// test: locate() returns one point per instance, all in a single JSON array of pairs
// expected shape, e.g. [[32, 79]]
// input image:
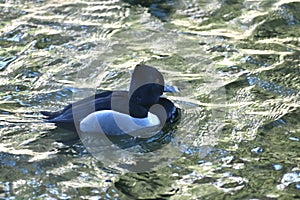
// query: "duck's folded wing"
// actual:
[[80, 109]]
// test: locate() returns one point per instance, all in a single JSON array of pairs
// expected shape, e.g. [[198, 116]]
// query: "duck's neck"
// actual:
[[138, 111]]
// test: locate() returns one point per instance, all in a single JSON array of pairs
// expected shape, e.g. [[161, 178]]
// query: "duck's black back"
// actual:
[[73, 113]]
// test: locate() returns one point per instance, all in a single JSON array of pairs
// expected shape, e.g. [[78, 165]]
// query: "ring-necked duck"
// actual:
[[121, 112]]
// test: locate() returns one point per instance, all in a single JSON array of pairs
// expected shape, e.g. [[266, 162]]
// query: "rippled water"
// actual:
[[235, 62]]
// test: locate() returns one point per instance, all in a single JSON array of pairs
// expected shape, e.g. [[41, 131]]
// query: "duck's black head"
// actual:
[[147, 85]]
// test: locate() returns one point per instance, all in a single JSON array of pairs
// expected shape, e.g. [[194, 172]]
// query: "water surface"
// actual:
[[236, 63]]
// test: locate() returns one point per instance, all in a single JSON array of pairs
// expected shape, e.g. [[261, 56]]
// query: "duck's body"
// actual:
[[121, 112], [86, 113]]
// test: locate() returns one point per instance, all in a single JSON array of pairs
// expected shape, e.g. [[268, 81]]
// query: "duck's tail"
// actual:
[[50, 115]]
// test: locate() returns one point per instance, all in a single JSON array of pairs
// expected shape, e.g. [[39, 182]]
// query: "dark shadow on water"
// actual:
[[158, 8]]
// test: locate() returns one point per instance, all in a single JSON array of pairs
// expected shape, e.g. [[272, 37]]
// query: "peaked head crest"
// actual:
[[144, 75]]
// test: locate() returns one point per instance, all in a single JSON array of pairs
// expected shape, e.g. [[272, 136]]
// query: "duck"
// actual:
[[136, 112]]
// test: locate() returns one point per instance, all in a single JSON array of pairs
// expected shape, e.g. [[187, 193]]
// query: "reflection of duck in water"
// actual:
[[122, 113]]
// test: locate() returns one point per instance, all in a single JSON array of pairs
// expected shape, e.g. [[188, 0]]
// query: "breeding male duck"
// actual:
[[115, 113]]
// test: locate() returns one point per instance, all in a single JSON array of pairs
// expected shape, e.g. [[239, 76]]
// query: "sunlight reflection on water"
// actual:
[[236, 64]]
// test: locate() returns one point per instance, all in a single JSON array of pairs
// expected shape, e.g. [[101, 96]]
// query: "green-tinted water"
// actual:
[[237, 66]]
